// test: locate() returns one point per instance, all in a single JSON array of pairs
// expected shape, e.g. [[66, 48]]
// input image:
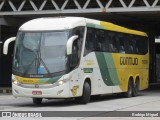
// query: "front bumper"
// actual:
[[61, 91]]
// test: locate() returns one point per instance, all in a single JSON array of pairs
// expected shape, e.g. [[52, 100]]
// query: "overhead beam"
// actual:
[[64, 7], [12, 6], [21, 6], [43, 4], [77, 4], [33, 5], [2, 3], [55, 4], [80, 11]]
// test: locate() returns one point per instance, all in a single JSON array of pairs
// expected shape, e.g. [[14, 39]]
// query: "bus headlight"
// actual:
[[61, 82], [15, 82]]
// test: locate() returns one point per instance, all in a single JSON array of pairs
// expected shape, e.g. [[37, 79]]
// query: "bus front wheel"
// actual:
[[37, 101], [85, 98]]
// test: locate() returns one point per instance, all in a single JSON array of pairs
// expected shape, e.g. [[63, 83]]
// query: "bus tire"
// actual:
[[129, 92], [135, 89], [85, 98], [37, 101]]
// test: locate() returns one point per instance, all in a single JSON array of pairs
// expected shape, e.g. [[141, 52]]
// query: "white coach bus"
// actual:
[[74, 57]]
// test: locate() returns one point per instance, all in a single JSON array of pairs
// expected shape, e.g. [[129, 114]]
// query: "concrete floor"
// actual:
[[148, 100]]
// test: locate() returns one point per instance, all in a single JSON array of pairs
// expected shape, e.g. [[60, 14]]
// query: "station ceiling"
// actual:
[[133, 13]]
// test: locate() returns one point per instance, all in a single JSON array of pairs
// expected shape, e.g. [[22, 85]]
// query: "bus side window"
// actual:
[[74, 57], [90, 44], [100, 39], [130, 46], [136, 46], [105, 45], [110, 42], [126, 45], [130, 49], [121, 43], [121, 47], [111, 48], [80, 32], [142, 44], [115, 44]]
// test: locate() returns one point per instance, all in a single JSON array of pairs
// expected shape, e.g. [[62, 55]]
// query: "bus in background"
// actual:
[[75, 57]]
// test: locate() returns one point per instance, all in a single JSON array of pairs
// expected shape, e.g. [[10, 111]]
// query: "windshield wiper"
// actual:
[[41, 61]]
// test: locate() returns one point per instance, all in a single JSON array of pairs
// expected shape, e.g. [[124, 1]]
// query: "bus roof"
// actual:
[[62, 23]]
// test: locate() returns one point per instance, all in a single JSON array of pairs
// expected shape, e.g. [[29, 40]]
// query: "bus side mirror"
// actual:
[[6, 44], [70, 44]]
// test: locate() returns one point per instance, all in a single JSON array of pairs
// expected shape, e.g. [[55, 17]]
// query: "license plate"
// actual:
[[36, 92]]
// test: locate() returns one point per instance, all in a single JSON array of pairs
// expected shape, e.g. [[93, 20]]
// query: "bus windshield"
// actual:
[[40, 53]]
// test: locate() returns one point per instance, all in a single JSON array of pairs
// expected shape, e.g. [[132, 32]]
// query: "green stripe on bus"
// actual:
[[111, 68], [107, 68], [103, 68], [94, 26]]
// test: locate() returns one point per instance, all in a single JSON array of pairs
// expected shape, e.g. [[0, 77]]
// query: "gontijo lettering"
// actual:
[[128, 61]]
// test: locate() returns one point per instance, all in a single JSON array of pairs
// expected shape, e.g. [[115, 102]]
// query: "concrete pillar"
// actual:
[[152, 58], [8, 28]]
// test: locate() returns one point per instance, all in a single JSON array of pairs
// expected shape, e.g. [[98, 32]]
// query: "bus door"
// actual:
[[91, 70], [87, 71], [74, 61]]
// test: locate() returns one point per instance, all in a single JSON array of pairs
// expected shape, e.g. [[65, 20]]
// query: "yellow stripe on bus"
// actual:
[[116, 28], [27, 80]]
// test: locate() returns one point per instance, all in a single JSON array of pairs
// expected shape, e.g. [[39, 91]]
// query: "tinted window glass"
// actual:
[[109, 41], [77, 47], [90, 44]]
